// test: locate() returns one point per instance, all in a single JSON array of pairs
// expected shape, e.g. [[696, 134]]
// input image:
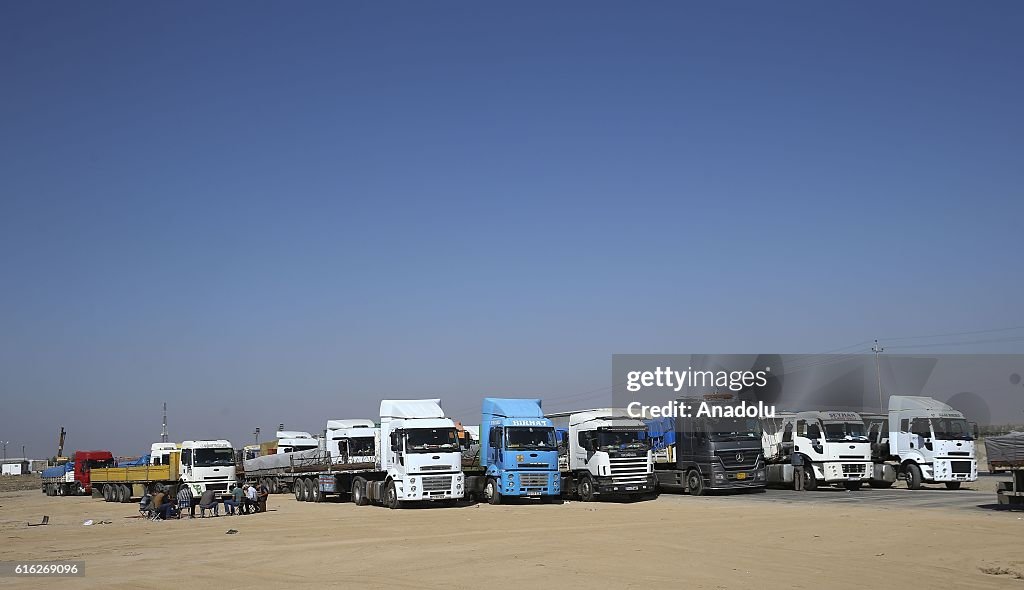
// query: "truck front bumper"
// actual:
[[606, 485], [943, 470]]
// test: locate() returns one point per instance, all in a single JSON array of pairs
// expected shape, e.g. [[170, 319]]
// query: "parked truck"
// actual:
[[201, 464], [74, 478], [347, 448], [1006, 453], [518, 453], [700, 452], [603, 453], [834, 446], [921, 440]]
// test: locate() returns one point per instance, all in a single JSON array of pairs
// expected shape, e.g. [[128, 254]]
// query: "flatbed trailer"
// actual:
[[311, 476], [1011, 493], [121, 484]]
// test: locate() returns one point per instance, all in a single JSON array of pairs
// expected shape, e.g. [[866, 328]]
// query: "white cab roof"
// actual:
[[411, 408]]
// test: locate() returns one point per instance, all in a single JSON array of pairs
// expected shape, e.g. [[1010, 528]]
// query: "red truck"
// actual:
[[72, 478]]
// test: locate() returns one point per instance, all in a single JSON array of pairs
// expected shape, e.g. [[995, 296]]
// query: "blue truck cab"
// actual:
[[518, 451]]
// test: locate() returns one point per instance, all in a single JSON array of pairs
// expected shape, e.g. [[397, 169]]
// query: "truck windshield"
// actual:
[[951, 429], [530, 438], [732, 429], [361, 446], [213, 457], [94, 463], [426, 440], [840, 431], [619, 439]]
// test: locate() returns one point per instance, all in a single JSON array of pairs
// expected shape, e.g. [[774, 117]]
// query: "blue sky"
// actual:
[[266, 213]]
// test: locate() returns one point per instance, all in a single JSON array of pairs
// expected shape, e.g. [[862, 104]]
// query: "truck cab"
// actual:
[[604, 452], [207, 465], [700, 453], [160, 453], [418, 450], [932, 442], [290, 441], [518, 451], [834, 446], [352, 441]]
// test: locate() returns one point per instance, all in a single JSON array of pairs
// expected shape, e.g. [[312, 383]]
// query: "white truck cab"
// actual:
[[933, 442], [418, 449], [160, 453], [289, 441], [352, 441], [604, 451], [207, 465], [834, 446]]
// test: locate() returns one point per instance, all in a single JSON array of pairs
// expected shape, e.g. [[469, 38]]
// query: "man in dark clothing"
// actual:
[[208, 501], [186, 500], [262, 495], [798, 471]]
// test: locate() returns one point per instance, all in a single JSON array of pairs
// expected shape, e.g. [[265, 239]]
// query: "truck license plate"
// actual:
[[533, 492], [632, 488], [741, 476]]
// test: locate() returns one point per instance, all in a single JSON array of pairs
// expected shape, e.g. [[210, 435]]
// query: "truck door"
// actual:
[[186, 464], [494, 446]]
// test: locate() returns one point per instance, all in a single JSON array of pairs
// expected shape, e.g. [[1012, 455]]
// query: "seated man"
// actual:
[[250, 499], [207, 501], [232, 504]]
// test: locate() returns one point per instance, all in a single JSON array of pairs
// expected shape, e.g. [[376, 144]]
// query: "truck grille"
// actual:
[[217, 487], [961, 466], [436, 468], [738, 459], [629, 469], [437, 483], [854, 468], [533, 480]]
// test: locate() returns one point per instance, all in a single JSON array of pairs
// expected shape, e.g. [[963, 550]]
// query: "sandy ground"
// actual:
[[697, 543]]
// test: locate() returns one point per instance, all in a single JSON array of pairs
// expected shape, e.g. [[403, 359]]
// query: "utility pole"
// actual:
[[5, 448], [877, 350], [23, 455], [257, 433], [163, 434]]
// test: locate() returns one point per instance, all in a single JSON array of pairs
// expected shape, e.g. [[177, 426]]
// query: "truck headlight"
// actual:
[[412, 488], [412, 480]]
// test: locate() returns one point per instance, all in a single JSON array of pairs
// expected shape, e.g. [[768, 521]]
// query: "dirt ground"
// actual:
[[677, 540]]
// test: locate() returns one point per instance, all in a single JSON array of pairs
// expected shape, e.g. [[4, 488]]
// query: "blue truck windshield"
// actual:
[[523, 438], [213, 458], [428, 440]]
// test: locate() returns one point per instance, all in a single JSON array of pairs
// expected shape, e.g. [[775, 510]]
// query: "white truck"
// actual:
[[603, 452], [834, 447], [921, 440], [314, 472], [418, 457], [201, 464]]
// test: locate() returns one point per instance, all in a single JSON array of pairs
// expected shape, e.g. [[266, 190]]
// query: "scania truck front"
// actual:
[[518, 452], [834, 446], [604, 453], [418, 457]]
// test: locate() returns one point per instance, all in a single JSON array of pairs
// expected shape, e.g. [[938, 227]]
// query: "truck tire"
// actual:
[[391, 496], [312, 490], [880, 484], [61, 490], [491, 492], [853, 486], [810, 482], [952, 485], [585, 488], [123, 494], [913, 477], [299, 489], [359, 492], [694, 483]]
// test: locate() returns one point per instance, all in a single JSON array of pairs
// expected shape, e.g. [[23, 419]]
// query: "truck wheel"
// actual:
[[880, 484], [273, 485], [491, 493], [359, 492], [952, 485], [913, 477], [694, 483], [810, 482], [314, 494], [62, 490], [585, 488], [391, 496], [298, 488], [853, 486]]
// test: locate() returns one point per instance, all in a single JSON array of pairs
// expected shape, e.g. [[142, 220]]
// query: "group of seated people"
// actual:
[[246, 499]]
